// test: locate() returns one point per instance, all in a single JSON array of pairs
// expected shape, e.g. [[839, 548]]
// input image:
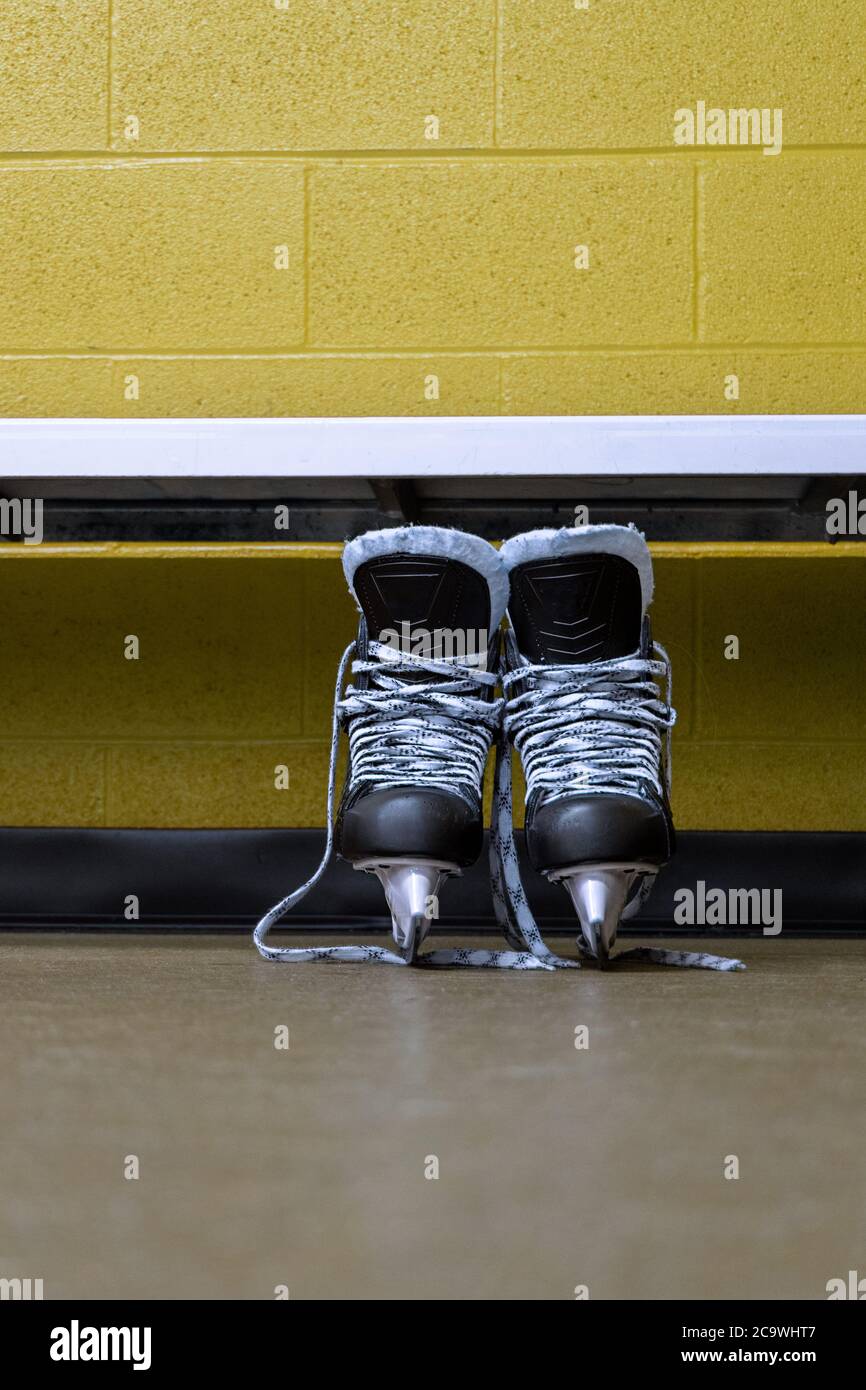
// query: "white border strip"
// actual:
[[446, 447]]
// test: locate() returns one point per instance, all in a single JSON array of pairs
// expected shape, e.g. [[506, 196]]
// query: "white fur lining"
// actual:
[[625, 541], [441, 541]]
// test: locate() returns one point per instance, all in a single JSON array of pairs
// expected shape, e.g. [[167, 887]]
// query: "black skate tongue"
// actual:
[[576, 608], [426, 606]]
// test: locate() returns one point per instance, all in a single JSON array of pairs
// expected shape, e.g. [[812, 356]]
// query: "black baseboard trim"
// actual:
[[59, 879]]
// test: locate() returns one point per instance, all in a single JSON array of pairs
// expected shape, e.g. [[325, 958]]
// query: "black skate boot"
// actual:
[[586, 716], [422, 715], [420, 719]]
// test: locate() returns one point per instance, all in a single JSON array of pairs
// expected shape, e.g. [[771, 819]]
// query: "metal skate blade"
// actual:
[[599, 897], [410, 891]]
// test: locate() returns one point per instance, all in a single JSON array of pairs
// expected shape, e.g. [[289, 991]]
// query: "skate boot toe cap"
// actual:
[[416, 823], [598, 828]]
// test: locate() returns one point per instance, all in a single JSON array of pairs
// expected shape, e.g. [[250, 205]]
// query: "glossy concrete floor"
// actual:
[[558, 1167]]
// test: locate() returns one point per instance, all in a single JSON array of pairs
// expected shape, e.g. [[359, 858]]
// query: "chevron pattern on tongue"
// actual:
[[408, 590], [576, 608], [417, 594]]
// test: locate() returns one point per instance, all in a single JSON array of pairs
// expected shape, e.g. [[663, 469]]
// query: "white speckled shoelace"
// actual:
[[595, 727], [439, 734], [410, 733]]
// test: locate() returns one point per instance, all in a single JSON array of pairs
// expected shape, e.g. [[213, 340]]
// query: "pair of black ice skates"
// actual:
[[578, 674]]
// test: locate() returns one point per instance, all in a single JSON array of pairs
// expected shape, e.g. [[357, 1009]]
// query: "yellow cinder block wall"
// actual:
[[238, 649], [232, 207]]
